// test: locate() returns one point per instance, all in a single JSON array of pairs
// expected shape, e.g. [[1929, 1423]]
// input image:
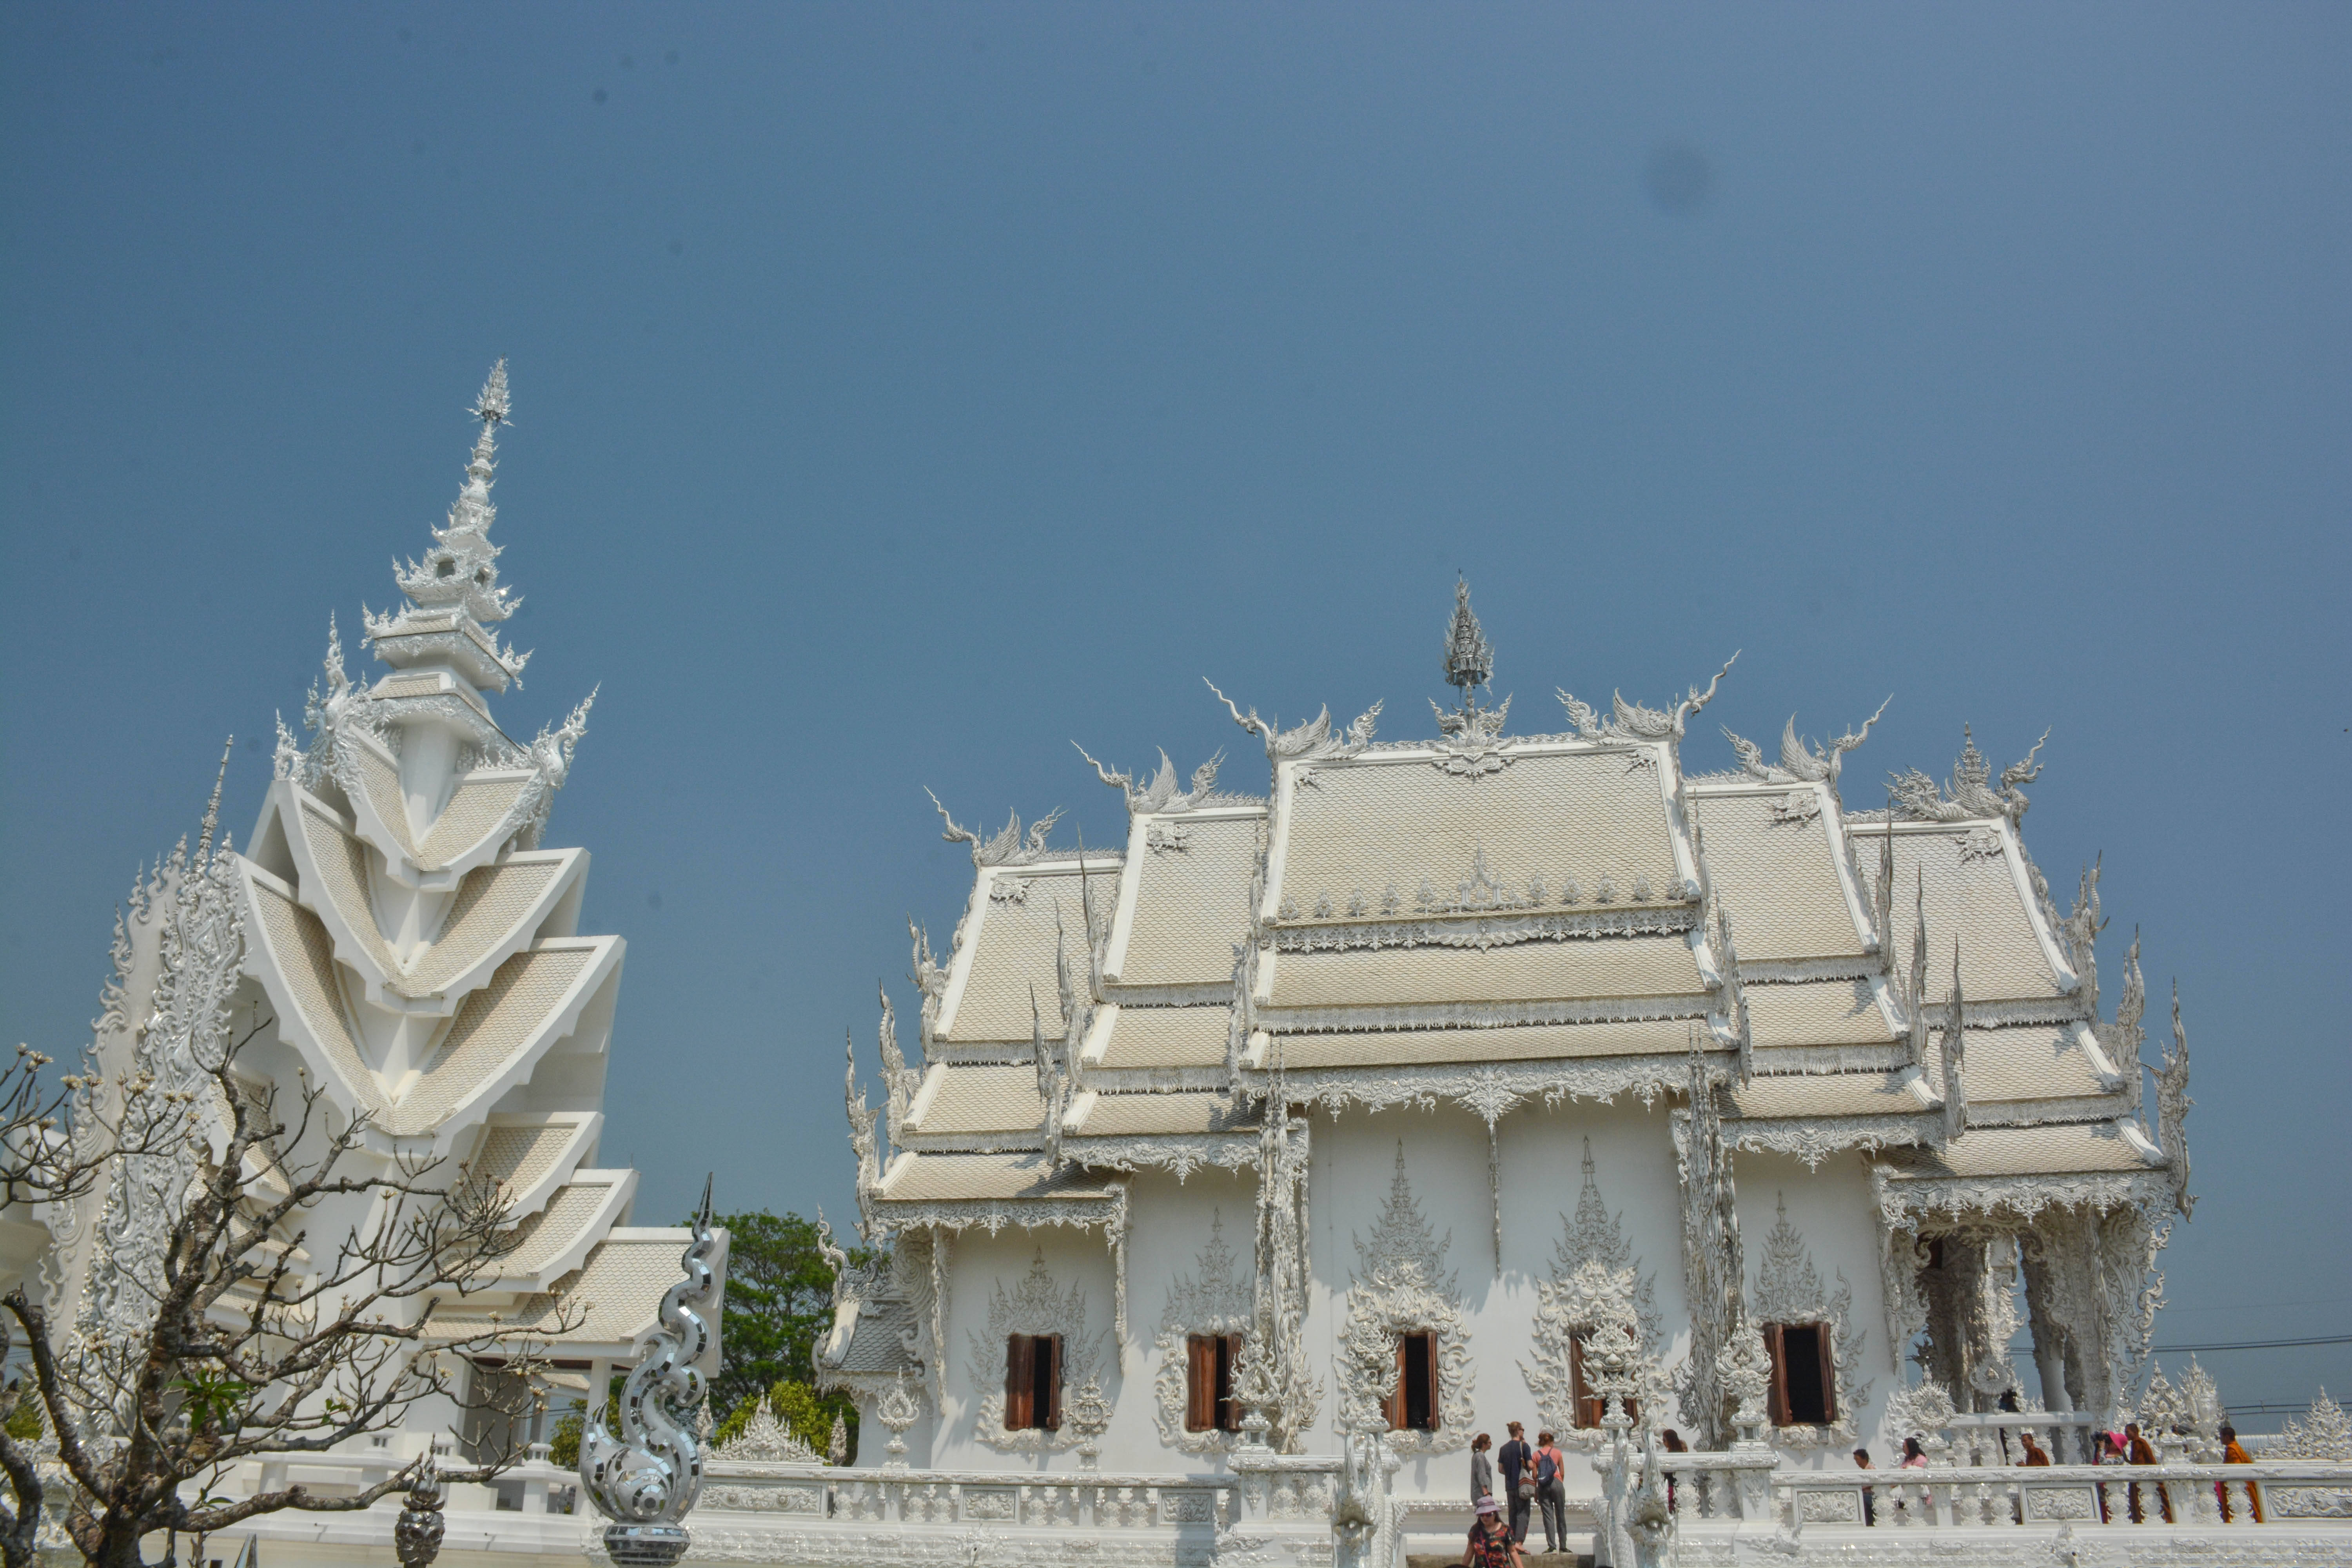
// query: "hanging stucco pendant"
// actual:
[[646, 1480]]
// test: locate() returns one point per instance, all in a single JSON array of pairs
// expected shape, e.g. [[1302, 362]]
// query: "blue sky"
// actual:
[[902, 393]]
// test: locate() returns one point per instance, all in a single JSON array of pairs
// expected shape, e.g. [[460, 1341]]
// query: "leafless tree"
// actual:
[[226, 1332]]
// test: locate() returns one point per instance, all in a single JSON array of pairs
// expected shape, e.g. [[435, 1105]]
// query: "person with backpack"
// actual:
[[1551, 1492], [1515, 1474]]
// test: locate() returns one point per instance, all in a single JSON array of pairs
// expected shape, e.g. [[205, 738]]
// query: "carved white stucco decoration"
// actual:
[[1631, 721], [1595, 1280], [1923, 1410], [185, 1039], [1213, 1300], [1970, 794], [1799, 763], [1007, 848], [1399, 1287], [1311, 742], [765, 1440], [1035, 1306], [1789, 1289], [1160, 797], [2172, 1103]]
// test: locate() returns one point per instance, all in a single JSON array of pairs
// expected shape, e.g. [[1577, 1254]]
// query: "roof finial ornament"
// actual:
[[453, 593], [1469, 656]]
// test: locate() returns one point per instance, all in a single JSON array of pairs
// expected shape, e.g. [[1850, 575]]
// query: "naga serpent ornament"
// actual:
[[646, 1480]]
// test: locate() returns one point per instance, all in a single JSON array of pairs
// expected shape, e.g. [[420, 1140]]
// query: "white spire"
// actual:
[[454, 593]]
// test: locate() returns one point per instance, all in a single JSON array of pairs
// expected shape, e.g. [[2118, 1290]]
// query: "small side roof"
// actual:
[[1006, 956], [1774, 862], [1186, 902]]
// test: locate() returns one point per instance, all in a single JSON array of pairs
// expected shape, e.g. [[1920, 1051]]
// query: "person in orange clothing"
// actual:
[[2035, 1454], [2140, 1451], [2234, 1453]]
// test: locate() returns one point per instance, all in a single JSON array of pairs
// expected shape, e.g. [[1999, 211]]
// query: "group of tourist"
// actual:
[[1534, 1478]]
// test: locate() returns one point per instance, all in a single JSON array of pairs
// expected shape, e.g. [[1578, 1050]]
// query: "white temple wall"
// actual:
[[975, 1346], [1541, 1163], [1834, 1213], [1169, 1229]]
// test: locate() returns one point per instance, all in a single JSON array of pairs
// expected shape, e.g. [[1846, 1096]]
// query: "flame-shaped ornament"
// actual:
[[646, 1480]]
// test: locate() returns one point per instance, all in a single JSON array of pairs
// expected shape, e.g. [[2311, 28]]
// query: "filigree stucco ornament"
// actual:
[[2172, 1103], [1799, 763], [765, 1440], [1922, 1410], [1713, 1275], [1401, 1288], [1595, 1280], [1214, 1298], [1745, 1370], [646, 1480], [1089, 1417], [2322, 1434], [1971, 794], [1789, 1289], [1311, 742], [161, 1110], [1952, 1040], [1035, 1305], [900, 1407], [1160, 797], [1007, 848], [1632, 721], [1470, 738]]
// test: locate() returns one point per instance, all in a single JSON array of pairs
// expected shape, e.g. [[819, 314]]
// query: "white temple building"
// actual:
[[1375, 1105]]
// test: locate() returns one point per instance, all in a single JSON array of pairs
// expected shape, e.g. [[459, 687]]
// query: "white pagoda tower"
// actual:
[[415, 956]]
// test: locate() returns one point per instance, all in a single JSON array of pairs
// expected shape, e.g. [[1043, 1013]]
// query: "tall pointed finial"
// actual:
[[1469, 656], [459, 573]]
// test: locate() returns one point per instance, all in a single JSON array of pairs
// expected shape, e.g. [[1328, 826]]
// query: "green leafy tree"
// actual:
[[779, 1301]]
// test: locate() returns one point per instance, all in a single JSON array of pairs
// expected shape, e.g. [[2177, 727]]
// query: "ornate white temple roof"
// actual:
[[1485, 917]]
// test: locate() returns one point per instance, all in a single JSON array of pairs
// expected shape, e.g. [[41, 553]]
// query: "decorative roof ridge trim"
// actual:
[[2069, 1110], [1019, 1141], [1472, 929], [1394, 1018], [1500, 1087], [1181, 1152], [1867, 966], [1184, 998], [1829, 1061], [1081, 1210], [1904, 1198], [1815, 1138]]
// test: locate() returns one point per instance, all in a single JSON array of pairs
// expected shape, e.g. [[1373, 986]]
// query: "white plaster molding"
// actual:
[[1400, 1287], [1213, 1300], [1789, 1289], [1035, 1306]]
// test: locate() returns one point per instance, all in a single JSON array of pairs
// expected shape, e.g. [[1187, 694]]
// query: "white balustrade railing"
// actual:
[[1083, 1500], [2041, 1496]]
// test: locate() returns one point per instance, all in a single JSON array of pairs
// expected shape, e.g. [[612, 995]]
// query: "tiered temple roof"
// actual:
[[420, 950], [1488, 919]]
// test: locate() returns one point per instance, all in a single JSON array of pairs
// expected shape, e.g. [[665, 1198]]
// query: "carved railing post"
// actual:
[[416, 1533], [647, 1480]]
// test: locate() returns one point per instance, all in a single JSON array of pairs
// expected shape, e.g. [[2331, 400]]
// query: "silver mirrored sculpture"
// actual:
[[646, 1481]]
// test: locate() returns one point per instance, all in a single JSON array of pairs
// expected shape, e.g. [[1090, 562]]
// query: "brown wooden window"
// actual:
[[1804, 1377], [1209, 1383], [1413, 1406], [1590, 1407], [1033, 1383]]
